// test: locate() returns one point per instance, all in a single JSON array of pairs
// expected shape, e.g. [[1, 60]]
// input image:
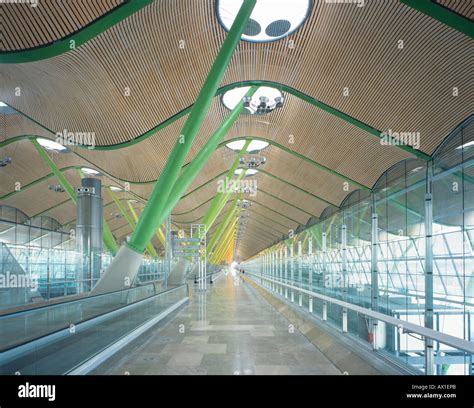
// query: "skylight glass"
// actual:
[[273, 97], [51, 145], [270, 20], [254, 146], [249, 172], [90, 172]]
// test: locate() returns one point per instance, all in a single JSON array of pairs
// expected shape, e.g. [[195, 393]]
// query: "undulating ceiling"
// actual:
[[347, 74]]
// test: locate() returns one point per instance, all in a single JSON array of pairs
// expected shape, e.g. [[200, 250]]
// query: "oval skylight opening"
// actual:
[[263, 101], [90, 172], [249, 172], [270, 20], [51, 145], [253, 147]]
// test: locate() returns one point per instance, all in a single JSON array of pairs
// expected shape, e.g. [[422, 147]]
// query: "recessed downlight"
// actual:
[[270, 20], [254, 146]]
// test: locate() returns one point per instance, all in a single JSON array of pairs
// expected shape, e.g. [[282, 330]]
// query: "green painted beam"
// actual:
[[313, 101], [443, 15], [297, 188], [154, 212], [76, 39]]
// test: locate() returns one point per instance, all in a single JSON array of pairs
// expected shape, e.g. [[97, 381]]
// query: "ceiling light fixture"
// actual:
[[5, 161], [56, 188], [270, 20], [264, 100]]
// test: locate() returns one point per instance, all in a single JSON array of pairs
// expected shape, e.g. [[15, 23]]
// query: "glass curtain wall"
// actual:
[[42, 251], [397, 249]]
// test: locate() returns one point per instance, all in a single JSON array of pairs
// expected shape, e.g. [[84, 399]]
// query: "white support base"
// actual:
[[120, 273]]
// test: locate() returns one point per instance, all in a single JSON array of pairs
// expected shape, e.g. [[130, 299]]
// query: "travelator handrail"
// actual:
[[70, 301], [147, 291], [447, 339], [119, 326]]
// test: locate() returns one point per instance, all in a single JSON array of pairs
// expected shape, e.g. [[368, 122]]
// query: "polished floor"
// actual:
[[231, 330]]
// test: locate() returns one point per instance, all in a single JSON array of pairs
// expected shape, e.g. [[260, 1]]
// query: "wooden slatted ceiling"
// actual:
[[462, 7], [320, 136], [340, 45], [402, 90], [24, 26]]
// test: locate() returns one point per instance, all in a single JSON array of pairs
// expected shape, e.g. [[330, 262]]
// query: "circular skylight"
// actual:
[[264, 100], [253, 147], [270, 19], [249, 172], [51, 145], [90, 172]]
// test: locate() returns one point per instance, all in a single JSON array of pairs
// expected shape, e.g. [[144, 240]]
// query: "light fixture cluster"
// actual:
[[5, 161], [252, 162], [244, 204], [58, 188], [263, 101]]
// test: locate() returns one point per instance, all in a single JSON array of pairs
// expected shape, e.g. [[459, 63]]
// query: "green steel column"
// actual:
[[222, 203], [192, 170], [222, 245], [221, 198], [159, 233], [60, 176], [154, 214], [131, 222], [223, 225]]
